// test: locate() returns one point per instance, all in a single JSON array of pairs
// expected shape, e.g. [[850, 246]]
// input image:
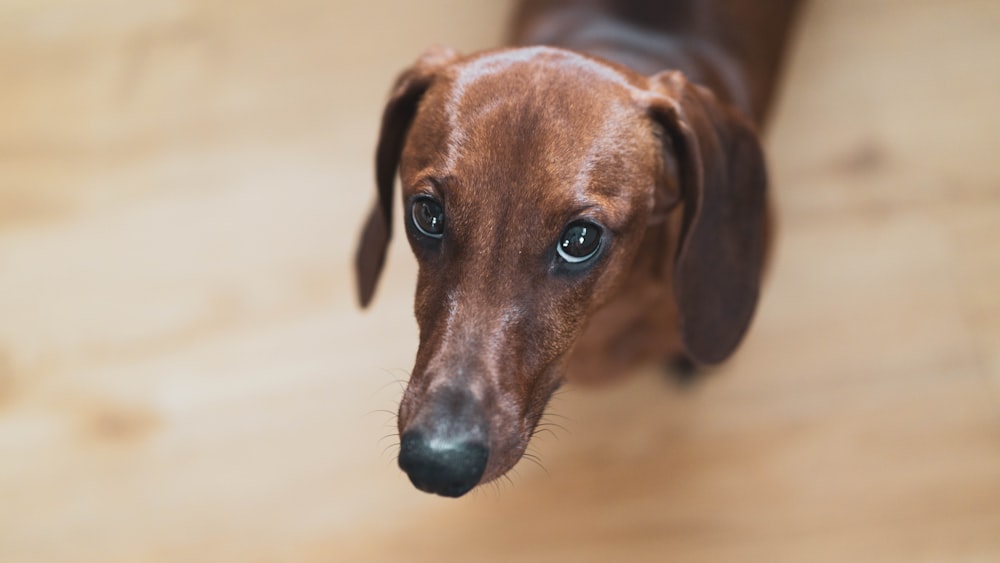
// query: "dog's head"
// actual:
[[530, 177]]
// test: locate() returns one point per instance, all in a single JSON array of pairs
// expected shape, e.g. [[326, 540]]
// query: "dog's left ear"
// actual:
[[720, 257], [396, 119]]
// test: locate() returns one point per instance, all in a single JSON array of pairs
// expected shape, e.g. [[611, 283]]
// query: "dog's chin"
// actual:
[[503, 460], [503, 457]]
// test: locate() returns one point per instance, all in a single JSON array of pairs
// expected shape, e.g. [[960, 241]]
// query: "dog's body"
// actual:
[[573, 216]]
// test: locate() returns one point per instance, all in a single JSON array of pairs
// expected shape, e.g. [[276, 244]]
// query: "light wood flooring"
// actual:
[[185, 376]]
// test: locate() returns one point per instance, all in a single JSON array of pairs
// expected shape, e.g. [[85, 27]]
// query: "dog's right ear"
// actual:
[[396, 119]]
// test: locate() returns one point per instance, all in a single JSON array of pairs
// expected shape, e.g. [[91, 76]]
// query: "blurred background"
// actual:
[[185, 375]]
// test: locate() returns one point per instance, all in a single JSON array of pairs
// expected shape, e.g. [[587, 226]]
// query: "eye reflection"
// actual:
[[579, 242], [428, 217]]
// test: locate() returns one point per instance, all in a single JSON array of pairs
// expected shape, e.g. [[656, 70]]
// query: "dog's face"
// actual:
[[524, 203], [529, 178]]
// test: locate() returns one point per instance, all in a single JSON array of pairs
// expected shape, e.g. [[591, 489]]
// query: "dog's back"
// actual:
[[742, 40]]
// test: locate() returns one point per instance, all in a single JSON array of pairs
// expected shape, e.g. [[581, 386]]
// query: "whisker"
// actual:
[[559, 392], [394, 379], [383, 387], [550, 425], [494, 489], [391, 435], [557, 415], [539, 430], [389, 447], [533, 458], [507, 478]]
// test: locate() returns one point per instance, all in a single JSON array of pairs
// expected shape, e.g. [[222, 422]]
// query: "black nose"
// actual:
[[446, 467]]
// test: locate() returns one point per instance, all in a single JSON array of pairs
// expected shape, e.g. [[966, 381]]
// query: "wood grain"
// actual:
[[185, 376]]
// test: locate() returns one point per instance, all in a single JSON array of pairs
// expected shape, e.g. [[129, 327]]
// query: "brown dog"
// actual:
[[575, 211]]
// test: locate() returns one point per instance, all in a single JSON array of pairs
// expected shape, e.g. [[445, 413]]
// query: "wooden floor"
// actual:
[[184, 375]]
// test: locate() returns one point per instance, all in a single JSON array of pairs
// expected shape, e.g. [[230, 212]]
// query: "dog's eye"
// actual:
[[579, 242], [428, 216]]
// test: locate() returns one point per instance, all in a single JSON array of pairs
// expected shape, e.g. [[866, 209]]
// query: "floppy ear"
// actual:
[[720, 256], [396, 119]]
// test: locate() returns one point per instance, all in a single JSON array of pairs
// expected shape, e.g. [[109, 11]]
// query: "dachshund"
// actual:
[[589, 199]]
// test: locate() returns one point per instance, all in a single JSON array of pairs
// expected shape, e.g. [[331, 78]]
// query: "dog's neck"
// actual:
[[733, 47]]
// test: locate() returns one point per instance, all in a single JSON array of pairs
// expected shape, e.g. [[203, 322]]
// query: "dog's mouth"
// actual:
[[503, 461]]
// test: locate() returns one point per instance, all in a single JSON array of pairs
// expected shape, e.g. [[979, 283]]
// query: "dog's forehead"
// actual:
[[548, 67], [545, 125], [539, 96]]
